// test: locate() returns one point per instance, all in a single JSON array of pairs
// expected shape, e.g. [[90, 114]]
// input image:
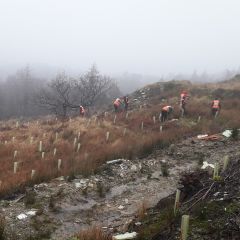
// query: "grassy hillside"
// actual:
[[82, 144]]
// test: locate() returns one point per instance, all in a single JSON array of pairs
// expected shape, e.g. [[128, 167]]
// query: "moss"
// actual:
[[206, 220], [159, 223]]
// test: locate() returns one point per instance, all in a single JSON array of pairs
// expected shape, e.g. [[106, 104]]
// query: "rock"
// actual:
[[115, 161], [134, 168], [206, 165], [138, 223], [59, 178], [125, 236], [21, 216], [227, 133], [78, 185], [32, 212], [121, 207]]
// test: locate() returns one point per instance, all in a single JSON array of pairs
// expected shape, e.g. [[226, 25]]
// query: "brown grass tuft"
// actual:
[[93, 233]]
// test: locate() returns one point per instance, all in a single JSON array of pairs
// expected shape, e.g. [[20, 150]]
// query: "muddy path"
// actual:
[[111, 198]]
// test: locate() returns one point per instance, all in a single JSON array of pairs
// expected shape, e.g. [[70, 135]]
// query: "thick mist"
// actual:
[[155, 37]]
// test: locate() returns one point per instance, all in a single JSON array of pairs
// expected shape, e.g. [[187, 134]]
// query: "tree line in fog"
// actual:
[[25, 95]]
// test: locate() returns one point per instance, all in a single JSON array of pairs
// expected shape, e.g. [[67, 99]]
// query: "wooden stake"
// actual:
[[74, 142], [78, 147], [15, 154], [225, 162], [161, 128], [107, 136], [114, 120], [54, 151], [79, 134], [154, 119], [56, 136], [216, 171], [17, 124], [13, 139], [124, 132], [33, 173], [177, 200], [59, 164], [159, 118], [43, 155], [199, 119], [142, 125], [40, 146], [15, 167], [127, 115]]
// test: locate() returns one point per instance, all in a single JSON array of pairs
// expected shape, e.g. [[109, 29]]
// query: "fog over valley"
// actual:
[[143, 41]]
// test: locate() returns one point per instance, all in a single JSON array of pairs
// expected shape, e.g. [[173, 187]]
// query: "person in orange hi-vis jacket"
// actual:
[[215, 107], [165, 112], [117, 103], [81, 111]]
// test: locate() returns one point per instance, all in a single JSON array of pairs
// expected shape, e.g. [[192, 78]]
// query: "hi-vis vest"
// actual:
[[117, 102], [166, 108], [183, 96], [82, 110], [216, 104]]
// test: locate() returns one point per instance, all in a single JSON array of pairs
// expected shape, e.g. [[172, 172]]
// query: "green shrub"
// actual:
[[235, 134]]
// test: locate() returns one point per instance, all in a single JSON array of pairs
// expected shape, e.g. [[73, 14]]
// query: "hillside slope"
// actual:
[[61, 171]]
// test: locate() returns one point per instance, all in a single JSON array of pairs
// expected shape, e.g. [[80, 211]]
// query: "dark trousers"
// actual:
[[115, 107], [126, 106], [164, 116], [215, 112]]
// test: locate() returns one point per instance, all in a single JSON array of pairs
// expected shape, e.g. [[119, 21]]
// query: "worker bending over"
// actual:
[[81, 111], [117, 105], [165, 112], [215, 106]]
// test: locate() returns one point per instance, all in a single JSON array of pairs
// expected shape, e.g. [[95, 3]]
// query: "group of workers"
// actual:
[[121, 104], [167, 110]]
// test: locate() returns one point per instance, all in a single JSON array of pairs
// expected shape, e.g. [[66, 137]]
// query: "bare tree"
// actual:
[[92, 85], [56, 97], [64, 93]]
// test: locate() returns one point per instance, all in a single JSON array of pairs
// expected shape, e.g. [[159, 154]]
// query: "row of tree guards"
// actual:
[[185, 218], [40, 148], [16, 164]]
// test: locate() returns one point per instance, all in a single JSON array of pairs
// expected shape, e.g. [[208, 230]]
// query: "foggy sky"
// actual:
[[142, 36]]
